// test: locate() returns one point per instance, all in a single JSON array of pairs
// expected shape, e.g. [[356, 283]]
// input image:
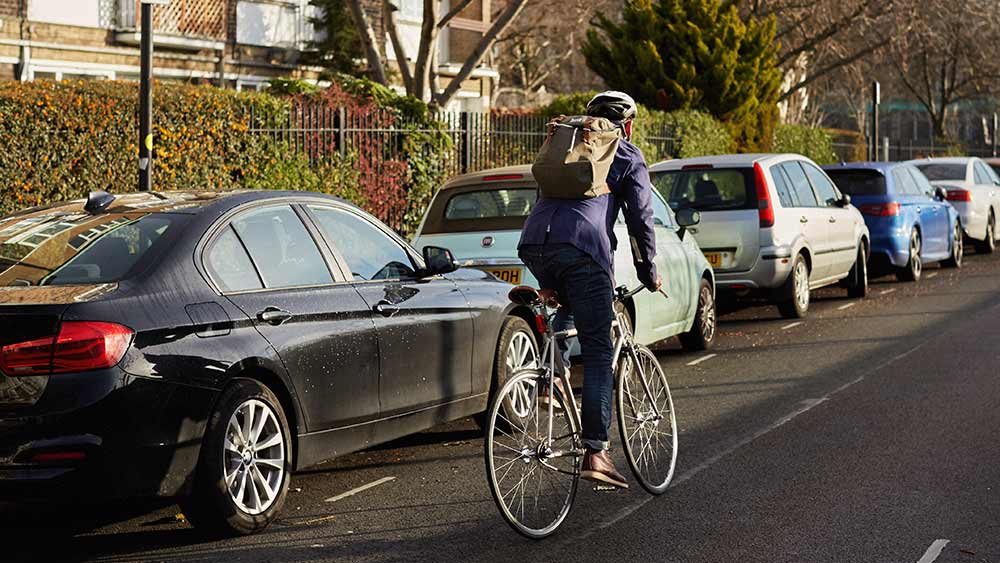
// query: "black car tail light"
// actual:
[[79, 346]]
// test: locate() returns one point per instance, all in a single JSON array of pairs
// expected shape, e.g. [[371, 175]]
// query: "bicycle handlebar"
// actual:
[[623, 293]]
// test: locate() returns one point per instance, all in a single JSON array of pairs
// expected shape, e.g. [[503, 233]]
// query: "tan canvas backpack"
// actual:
[[576, 157]]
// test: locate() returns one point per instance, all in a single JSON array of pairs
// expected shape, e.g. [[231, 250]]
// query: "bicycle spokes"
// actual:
[[647, 422], [533, 474]]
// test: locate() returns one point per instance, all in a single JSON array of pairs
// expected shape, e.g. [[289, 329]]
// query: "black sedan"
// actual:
[[206, 345]]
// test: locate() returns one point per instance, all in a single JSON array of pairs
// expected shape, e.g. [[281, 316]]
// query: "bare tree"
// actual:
[[540, 53], [422, 80], [947, 55]]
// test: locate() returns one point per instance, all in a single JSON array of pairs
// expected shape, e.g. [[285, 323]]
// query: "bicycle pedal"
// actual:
[[605, 489]]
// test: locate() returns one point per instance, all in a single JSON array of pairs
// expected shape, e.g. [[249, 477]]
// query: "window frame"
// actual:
[[226, 221], [822, 203], [415, 259], [253, 263]]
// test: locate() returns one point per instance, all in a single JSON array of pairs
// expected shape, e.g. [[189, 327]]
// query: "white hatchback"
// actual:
[[770, 223], [973, 189]]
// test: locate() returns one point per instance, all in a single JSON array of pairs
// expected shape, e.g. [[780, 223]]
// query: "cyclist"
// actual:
[[568, 245]]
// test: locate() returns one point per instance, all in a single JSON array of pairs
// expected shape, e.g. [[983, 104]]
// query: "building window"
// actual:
[[275, 23], [42, 72], [83, 13]]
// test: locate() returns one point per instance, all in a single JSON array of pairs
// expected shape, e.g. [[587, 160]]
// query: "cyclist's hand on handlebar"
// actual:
[[656, 285]]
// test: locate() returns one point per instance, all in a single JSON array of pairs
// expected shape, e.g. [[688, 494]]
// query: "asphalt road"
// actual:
[[866, 433]]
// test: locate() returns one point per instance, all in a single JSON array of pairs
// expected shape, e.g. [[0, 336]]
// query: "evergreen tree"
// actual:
[[338, 48], [693, 54]]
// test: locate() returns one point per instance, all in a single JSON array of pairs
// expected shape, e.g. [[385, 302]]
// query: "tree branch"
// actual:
[[452, 13], [389, 17], [370, 42]]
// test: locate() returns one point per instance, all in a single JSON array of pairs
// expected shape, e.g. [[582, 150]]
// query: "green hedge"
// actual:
[[60, 140], [660, 135], [812, 142]]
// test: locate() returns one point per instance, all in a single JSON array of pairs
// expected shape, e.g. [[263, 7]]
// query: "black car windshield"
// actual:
[[943, 171], [59, 248], [716, 189], [858, 182]]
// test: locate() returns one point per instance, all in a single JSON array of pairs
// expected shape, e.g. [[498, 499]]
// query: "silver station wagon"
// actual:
[[770, 223]]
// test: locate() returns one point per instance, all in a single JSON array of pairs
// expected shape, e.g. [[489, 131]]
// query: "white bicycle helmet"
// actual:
[[613, 105]]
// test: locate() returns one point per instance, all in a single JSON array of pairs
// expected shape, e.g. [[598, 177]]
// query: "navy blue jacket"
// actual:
[[588, 224]]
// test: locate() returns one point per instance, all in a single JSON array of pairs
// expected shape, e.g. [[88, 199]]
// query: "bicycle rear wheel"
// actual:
[[648, 434], [533, 480]]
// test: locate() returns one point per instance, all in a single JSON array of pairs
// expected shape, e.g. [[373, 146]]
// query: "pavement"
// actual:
[[867, 432]]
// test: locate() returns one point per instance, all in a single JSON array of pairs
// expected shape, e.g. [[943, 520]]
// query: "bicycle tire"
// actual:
[[502, 433], [651, 452]]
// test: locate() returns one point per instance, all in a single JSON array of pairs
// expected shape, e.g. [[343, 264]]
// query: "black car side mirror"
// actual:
[[438, 261], [686, 217], [940, 193], [844, 200]]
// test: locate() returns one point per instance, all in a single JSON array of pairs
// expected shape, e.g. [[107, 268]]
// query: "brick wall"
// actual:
[[10, 8]]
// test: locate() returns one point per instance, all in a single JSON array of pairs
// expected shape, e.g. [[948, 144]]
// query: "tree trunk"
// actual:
[[389, 15], [370, 42]]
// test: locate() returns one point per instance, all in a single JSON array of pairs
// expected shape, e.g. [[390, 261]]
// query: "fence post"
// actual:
[[465, 124], [341, 133], [885, 149]]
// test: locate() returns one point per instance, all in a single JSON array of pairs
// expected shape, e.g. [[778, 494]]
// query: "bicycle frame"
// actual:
[[622, 342]]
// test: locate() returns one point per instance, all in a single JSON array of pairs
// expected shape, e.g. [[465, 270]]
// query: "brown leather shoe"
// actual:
[[597, 466]]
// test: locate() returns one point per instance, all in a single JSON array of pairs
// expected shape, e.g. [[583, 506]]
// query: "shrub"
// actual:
[[814, 143]]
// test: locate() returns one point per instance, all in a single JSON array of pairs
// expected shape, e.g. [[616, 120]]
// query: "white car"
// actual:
[[973, 189], [770, 223], [479, 218]]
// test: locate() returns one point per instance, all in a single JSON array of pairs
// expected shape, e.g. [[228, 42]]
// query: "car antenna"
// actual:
[[97, 202]]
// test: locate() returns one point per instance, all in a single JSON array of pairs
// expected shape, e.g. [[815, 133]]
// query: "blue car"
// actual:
[[911, 221]]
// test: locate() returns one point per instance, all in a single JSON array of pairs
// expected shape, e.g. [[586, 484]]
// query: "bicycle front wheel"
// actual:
[[646, 420], [533, 475]]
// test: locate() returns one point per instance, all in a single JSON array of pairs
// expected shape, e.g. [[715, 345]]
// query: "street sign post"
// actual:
[[146, 94]]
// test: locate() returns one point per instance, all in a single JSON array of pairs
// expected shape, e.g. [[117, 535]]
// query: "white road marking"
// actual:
[[808, 405], [888, 291], [360, 489], [702, 359], [932, 275], [791, 325], [847, 306], [933, 551]]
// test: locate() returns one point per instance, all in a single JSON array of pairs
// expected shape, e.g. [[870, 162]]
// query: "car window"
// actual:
[[781, 184], [904, 182], [800, 185], [718, 189], [923, 186], [281, 247], [80, 248], [490, 204], [824, 187], [661, 216], [937, 171], [982, 173], [858, 181], [229, 264], [369, 251]]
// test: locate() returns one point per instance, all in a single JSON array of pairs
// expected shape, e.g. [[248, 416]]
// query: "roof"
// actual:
[[882, 167], [473, 178], [942, 160], [722, 160]]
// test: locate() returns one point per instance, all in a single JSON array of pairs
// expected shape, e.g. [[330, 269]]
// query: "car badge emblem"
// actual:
[[487, 242]]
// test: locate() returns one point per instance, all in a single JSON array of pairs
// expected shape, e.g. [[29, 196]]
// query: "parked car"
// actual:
[[910, 221], [772, 224], [974, 189], [208, 345], [479, 216]]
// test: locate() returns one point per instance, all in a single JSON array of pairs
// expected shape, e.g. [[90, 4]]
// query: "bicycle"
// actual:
[[534, 451]]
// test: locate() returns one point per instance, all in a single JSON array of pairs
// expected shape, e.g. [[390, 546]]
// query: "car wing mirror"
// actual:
[[844, 200], [940, 193], [686, 217], [437, 261]]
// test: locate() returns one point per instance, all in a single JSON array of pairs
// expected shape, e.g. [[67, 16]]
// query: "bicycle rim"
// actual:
[[649, 440], [533, 485]]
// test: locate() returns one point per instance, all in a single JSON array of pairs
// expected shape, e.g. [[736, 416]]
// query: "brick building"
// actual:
[[239, 44]]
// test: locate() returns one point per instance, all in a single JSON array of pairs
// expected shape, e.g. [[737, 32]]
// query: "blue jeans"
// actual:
[[585, 292]]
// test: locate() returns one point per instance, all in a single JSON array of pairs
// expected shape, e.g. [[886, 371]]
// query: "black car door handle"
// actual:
[[273, 316], [385, 308], [803, 220]]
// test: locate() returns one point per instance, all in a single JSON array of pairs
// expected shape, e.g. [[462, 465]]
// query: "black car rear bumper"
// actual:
[[103, 435]]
